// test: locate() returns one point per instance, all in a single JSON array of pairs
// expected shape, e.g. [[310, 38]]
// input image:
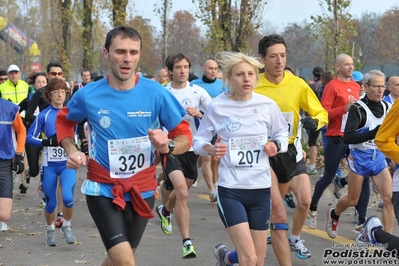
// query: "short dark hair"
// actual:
[[55, 84], [124, 32], [268, 41], [3, 72], [317, 72], [173, 59], [32, 78], [53, 64], [84, 70]]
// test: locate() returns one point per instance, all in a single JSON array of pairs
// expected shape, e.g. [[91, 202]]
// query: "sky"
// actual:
[[276, 11]]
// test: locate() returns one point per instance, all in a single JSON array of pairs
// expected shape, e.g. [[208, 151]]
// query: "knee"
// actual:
[[182, 193], [250, 259], [50, 206], [303, 203], [68, 202], [279, 215]]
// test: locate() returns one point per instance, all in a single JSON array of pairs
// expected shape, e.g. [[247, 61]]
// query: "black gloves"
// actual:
[[375, 130], [309, 123], [18, 164], [52, 141], [84, 147]]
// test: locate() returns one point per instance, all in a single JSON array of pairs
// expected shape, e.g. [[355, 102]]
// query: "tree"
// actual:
[[65, 41], [229, 23], [301, 50], [185, 36], [87, 35], [150, 59], [335, 27], [387, 38], [367, 27], [119, 12]]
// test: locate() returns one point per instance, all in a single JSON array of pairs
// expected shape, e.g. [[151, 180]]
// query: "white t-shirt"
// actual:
[[245, 126]]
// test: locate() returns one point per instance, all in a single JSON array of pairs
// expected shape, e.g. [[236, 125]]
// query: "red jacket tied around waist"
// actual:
[[142, 181]]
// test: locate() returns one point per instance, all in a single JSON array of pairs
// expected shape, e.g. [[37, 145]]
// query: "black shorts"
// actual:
[[116, 226], [6, 179], [300, 168], [284, 164], [186, 162], [312, 137]]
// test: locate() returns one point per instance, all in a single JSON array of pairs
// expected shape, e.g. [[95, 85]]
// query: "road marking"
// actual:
[[316, 232]]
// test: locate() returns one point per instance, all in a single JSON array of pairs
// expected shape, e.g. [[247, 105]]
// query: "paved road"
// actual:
[[23, 244]]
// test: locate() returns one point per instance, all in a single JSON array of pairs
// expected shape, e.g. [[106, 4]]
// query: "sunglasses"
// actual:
[[3, 79], [53, 74]]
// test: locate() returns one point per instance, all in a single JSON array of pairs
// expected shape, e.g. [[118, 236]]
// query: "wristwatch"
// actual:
[[278, 144], [171, 146]]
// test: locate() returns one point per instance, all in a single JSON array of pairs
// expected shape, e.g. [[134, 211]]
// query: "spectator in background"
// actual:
[[163, 76], [3, 76], [14, 89], [314, 135], [86, 79], [357, 77]]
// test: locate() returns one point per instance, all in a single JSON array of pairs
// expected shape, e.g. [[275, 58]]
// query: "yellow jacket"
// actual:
[[14, 93], [387, 133], [293, 94]]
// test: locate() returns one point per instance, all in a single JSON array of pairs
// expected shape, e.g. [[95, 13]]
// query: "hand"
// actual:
[[270, 149], [84, 147], [352, 100], [375, 130], [220, 148], [193, 112], [159, 140], [18, 164], [51, 141], [76, 159], [309, 124]]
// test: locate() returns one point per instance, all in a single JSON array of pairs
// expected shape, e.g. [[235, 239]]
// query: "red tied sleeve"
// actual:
[[64, 127], [142, 181]]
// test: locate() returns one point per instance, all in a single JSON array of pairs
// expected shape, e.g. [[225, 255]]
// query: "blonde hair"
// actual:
[[227, 60]]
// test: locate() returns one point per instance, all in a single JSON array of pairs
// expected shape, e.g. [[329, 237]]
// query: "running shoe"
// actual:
[[356, 217], [311, 220], [213, 196], [359, 228], [188, 250], [337, 187], [299, 248], [42, 196], [3, 226], [220, 253], [69, 238], [365, 238], [59, 220], [289, 201], [50, 238], [269, 236], [380, 205], [26, 179], [312, 171], [22, 189], [331, 224], [166, 223]]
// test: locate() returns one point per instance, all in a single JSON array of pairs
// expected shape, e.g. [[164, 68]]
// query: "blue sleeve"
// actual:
[[171, 113], [32, 137], [77, 107]]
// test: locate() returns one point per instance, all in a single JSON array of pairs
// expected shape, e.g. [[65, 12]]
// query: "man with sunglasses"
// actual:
[[3, 76], [14, 89], [54, 70]]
